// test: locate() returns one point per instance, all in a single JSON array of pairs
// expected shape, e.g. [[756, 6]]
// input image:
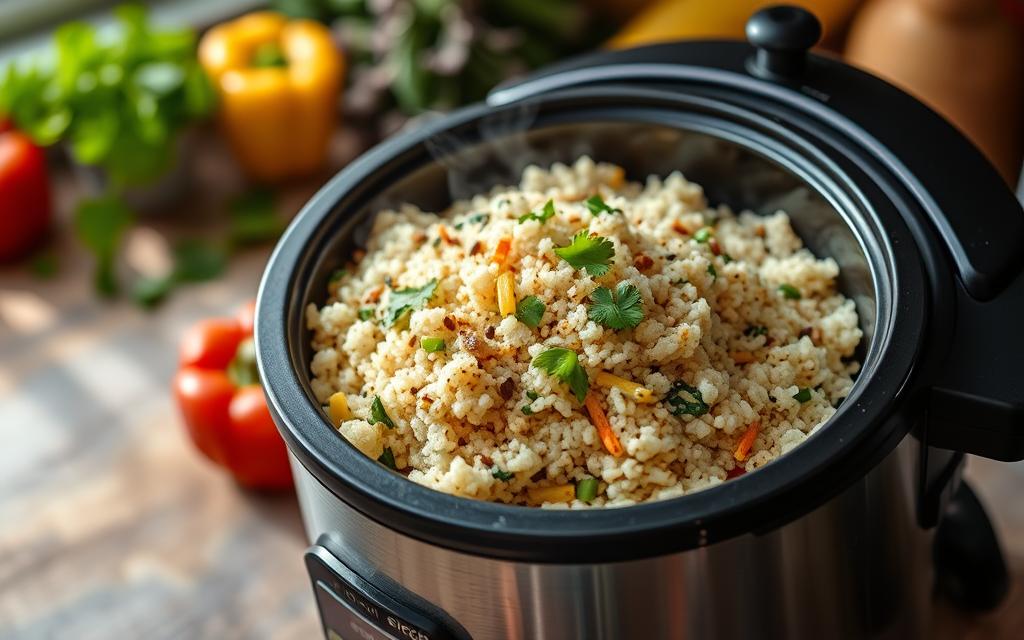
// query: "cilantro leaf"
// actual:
[[564, 365], [403, 301], [620, 310], [597, 206], [529, 311], [546, 213], [378, 414], [591, 253], [504, 476], [686, 400]]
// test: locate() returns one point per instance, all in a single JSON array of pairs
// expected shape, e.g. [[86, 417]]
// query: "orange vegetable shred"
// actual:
[[747, 441], [604, 428], [501, 251]]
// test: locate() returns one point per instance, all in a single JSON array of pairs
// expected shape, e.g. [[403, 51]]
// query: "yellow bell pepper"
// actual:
[[666, 20], [279, 82]]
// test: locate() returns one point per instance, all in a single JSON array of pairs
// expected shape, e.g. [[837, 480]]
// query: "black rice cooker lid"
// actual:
[[723, 76]]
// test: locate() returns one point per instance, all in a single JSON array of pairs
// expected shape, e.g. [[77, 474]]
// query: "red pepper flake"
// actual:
[[414, 390], [443, 232], [679, 228], [735, 472], [358, 255], [715, 247], [449, 324], [419, 237], [374, 294], [412, 341], [759, 231], [489, 332], [478, 247], [486, 459], [643, 262]]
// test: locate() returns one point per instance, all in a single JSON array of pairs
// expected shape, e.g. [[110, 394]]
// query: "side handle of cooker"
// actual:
[[977, 402]]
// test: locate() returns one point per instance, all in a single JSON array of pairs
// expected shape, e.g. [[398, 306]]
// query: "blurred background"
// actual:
[[147, 166]]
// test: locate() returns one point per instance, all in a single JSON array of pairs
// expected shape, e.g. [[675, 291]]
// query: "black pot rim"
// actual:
[[865, 428]]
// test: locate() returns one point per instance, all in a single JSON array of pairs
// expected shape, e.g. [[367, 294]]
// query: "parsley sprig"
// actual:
[[597, 206], [402, 301], [593, 253], [622, 309], [564, 365], [546, 213]]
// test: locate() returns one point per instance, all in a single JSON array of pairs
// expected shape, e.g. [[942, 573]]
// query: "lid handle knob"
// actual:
[[782, 34]]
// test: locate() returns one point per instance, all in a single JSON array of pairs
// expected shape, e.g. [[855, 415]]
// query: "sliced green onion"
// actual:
[[430, 345], [789, 291], [532, 395], [703, 234], [527, 410], [586, 489], [803, 395]]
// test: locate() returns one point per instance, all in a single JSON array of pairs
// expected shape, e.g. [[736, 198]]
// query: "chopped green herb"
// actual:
[[753, 331], [591, 253], [789, 291], [703, 234], [337, 275], [621, 310], [564, 365], [100, 224], [726, 258], [504, 476], [366, 313], [686, 400], [586, 489], [254, 218], [149, 292], [527, 410], [529, 311], [388, 459], [532, 395], [403, 301], [388, 282], [378, 414], [547, 212], [803, 395], [477, 218], [712, 271], [597, 206], [197, 261], [430, 345]]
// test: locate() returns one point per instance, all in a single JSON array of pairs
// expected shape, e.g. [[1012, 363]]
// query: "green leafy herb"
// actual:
[[504, 476], [149, 292], [430, 345], [547, 212], [803, 395], [621, 310], [527, 410], [198, 261], [753, 331], [118, 101], [378, 414], [44, 265], [726, 258], [100, 224], [789, 291], [403, 301], [529, 311], [532, 395], [564, 365], [366, 313], [254, 218], [388, 459], [477, 218], [586, 489], [686, 400], [337, 275], [597, 206], [712, 271], [591, 253], [703, 234]]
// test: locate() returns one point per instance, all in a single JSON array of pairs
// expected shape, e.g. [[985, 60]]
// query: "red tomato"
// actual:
[[246, 316], [204, 397], [256, 454], [24, 195], [211, 343]]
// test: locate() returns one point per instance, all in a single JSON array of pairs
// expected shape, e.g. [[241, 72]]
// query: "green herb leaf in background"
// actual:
[[597, 206], [254, 218], [547, 212], [100, 225], [198, 261]]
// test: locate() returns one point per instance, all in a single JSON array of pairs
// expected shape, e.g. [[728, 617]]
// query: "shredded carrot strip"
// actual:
[[604, 428], [442, 231], [500, 254], [747, 441]]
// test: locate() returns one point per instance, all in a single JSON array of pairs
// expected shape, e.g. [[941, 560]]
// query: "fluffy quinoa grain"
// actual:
[[475, 419]]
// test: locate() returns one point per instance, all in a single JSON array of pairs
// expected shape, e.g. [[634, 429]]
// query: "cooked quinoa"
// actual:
[[741, 348]]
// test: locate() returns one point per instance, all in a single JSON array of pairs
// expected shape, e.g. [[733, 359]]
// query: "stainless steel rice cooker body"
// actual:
[[836, 539]]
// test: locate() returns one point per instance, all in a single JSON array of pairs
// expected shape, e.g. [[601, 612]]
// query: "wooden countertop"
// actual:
[[111, 526]]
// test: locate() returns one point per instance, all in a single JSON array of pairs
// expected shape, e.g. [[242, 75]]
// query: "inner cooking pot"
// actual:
[[743, 161]]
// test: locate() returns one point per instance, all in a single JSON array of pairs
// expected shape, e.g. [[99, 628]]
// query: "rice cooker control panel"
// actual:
[[352, 608]]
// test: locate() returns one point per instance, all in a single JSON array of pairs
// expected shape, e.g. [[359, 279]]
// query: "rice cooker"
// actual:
[[855, 533]]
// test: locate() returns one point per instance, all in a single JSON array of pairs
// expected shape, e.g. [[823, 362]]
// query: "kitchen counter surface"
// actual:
[[111, 524]]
